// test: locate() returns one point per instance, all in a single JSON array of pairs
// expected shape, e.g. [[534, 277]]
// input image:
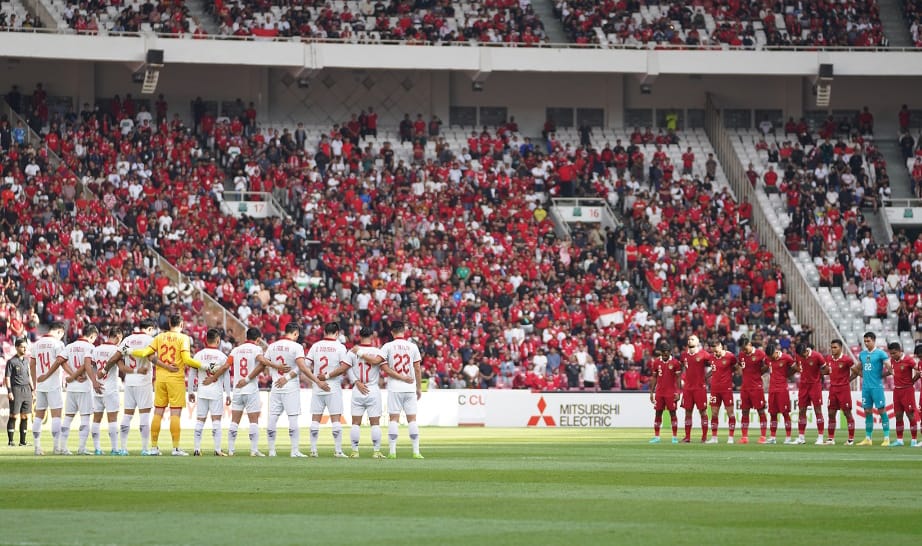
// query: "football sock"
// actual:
[[801, 424], [657, 423], [376, 437], [272, 430], [55, 430], [704, 425], [175, 430], [885, 422], [820, 423], [254, 437], [232, 436], [113, 434], [832, 426], [65, 430], [84, 431], [123, 431], [10, 428], [392, 436], [337, 436], [23, 428], [354, 436], [913, 427], [315, 434], [732, 424], [714, 422], [155, 429], [899, 427], [94, 432], [144, 425], [788, 423], [745, 423], [774, 426], [37, 432], [851, 426], [675, 423], [216, 434], [197, 435], [688, 424], [414, 436], [294, 433], [763, 422], [869, 422]]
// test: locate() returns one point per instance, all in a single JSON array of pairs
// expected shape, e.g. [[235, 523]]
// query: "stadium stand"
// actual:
[[913, 13], [117, 16], [14, 16]]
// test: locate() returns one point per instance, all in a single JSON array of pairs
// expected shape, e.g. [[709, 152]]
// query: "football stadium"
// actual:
[[497, 271]]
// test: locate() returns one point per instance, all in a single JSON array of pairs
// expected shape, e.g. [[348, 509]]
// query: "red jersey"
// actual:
[[695, 367], [840, 370], [722, 374], [667, 376], [903, 371], [811, 369], [751, 364], [780, 370]]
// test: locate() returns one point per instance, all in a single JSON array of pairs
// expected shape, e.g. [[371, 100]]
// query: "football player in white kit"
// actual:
[[403, 386], [288, 362], [49, 383], [328, 360], [139, 383], [243, 362], [77, 361], [211, 398], [108, 401], [366, 394]]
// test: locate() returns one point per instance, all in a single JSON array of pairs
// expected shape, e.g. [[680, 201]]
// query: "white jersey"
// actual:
[[214, 391], [401, 354], [324, 357], [285, 352], [75, 354], [362, 370], [243, 360], [101, 356], [141, 367], [45, 351]]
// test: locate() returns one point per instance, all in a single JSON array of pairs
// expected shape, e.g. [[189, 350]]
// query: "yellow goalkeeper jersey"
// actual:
[[171, 348]]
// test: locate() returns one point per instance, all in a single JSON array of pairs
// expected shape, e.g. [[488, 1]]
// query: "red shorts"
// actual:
[[840, 398], [725, 398], [694, 398], [667, 402], [810, 395], [904, 401], [779, 402], [752, 399]]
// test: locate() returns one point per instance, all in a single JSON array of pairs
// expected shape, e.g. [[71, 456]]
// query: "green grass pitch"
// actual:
[[476, 486]]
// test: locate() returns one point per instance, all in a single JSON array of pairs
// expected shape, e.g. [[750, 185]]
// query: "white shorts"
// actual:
[[288, 403], [49, 400], [106, 403], [247, 403], [368, 403], [79, 403], [139, 397], [401, 401], [206, 406], [332, 402]]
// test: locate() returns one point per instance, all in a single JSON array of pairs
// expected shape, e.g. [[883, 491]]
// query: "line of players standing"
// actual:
[[89, 371], [686, 378]]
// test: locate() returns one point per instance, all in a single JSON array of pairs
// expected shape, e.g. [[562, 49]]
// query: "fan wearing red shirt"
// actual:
[[753, 366], [812, 367], [841, 373], [905, 374], [664, 391], [694, 389], [781, 367], [723, 366]]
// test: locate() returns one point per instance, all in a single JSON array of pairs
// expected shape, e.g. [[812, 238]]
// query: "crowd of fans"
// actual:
[[168, 17], [434, 21], [456, 243], [912, 9], [747, 23]]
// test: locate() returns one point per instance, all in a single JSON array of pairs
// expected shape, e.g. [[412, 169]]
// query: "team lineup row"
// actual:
[[216, 380], [685, 379]]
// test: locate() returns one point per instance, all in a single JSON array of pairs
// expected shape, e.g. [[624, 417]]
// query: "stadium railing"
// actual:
[[215, 313], [805, 305]]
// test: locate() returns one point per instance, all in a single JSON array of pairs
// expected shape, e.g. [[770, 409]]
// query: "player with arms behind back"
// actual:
[[49, 392], [723, 366], [139, 390], [905, 375], [841, 373], [665, 386], [812, 367], [174, 353], [288, 362], [210, 398], [402, 367], [328, 360], [108, 400], [874, 365], [364, 374], [753, 366], [695, 362]]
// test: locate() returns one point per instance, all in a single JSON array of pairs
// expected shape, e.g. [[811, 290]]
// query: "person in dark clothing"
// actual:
[[19, 388]]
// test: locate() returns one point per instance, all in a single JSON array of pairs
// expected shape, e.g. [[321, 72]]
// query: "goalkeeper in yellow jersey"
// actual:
[[173, 351]]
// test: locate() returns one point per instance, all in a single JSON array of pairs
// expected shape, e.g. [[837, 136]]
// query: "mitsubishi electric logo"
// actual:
[[535, 419]]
